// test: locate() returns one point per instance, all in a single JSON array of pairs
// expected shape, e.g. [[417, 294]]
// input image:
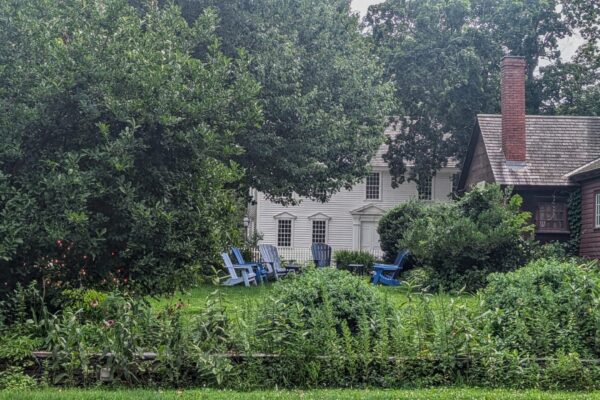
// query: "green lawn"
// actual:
[[432, 394], [239, 298]]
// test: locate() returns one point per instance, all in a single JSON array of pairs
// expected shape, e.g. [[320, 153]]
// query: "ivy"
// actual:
[[574, 214]]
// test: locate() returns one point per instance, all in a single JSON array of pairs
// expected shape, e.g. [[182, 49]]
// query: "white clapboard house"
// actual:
[[349, 220]]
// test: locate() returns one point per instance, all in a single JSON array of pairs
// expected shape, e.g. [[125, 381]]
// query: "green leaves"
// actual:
[[115, 149]]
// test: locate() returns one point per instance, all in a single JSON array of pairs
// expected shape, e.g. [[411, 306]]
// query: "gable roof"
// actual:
[[587, 170], [556, 145]]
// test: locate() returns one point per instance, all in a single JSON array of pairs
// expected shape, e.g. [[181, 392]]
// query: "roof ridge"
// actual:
[[537, 116]]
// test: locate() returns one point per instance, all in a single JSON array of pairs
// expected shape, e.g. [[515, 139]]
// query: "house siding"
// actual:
[[480, 169], [590, 236], [338, 209]]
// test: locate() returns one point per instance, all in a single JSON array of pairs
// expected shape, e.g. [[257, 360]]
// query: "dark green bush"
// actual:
[[343, 258], [463, 242], [349, 297], [546, 308], [117, 166], [393, 225]]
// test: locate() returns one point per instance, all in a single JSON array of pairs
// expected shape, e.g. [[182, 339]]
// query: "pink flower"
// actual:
[[109, 323]]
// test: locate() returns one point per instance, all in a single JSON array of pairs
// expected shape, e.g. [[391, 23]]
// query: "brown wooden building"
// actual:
[[544, 158]]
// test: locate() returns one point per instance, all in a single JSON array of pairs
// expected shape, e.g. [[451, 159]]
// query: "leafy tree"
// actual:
[[324, 102], [112, 143], [444, 57]]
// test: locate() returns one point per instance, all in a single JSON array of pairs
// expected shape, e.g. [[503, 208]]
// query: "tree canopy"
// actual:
[[323, 93], [444, 57], [116, 125]]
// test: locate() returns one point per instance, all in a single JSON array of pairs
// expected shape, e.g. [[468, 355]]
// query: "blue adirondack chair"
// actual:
[[321, 254], [387, 274], [261, 272], [248, 276], [270, 258]]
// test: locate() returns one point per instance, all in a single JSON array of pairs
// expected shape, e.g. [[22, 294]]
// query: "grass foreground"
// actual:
[[428, 394]]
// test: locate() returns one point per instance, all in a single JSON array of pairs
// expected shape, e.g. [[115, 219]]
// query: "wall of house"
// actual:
[[338, 209], [590, 236], [480, 169]]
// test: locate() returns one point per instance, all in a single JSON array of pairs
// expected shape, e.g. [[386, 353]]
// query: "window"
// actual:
[[425, 189], [552, 217], [597, 210], [284, 233], [373, 186], [319, 231]]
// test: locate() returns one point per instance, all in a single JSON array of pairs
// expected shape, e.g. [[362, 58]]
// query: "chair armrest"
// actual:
[[243, 267], [386, 267]]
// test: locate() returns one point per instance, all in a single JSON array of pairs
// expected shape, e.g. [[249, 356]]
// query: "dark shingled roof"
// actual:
[[556, 146], [586, 169]]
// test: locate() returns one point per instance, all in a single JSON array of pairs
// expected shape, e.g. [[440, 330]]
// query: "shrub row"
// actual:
[[537, 327]]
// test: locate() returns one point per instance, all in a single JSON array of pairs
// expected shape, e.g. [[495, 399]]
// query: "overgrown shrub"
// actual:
[[546, 308], [343, 258], [394, 224], [117, 166], [463, 242], [349, 296]]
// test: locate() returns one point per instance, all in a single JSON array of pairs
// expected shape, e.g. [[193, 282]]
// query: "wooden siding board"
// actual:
[[590, 236]]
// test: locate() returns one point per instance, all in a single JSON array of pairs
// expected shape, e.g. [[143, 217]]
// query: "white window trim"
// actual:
[[432, 191], [292, 223], [287, 216], [597, 208], [380, 198], [312, 229]]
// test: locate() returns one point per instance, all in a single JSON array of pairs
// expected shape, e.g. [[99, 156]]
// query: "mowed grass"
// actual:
[[429, 394], [237, 299]]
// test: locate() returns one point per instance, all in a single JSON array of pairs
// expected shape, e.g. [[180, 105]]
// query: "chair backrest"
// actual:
[[229, 265], [270, 256], [401, 258], [321, 253], [237, 253]]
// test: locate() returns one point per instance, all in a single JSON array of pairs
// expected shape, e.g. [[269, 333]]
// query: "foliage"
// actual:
[[395, 223], [574, 210], [348, 296], [322, 394], [444, 57], [343, 258], [546, 308], [323, 94], [115, 145], [463, 242]]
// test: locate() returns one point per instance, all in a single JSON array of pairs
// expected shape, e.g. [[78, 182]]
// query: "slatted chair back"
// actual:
[[401, 258], [270, 256], [237, 253], [321, 253], [229, 266]]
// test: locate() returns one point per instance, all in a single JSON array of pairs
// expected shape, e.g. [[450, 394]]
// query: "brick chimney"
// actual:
[[514, 143]]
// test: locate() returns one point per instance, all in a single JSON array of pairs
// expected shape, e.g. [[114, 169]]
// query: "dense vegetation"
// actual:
[[457, 245], [130, 134], [325, 328]]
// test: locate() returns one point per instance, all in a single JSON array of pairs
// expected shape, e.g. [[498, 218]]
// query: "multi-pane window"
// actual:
[[425, 188], [373, 186], [597, 210], [284, 233], [319, 231], [552, 217]]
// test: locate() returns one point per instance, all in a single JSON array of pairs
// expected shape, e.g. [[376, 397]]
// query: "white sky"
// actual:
[[362, 5], [568, 46]]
